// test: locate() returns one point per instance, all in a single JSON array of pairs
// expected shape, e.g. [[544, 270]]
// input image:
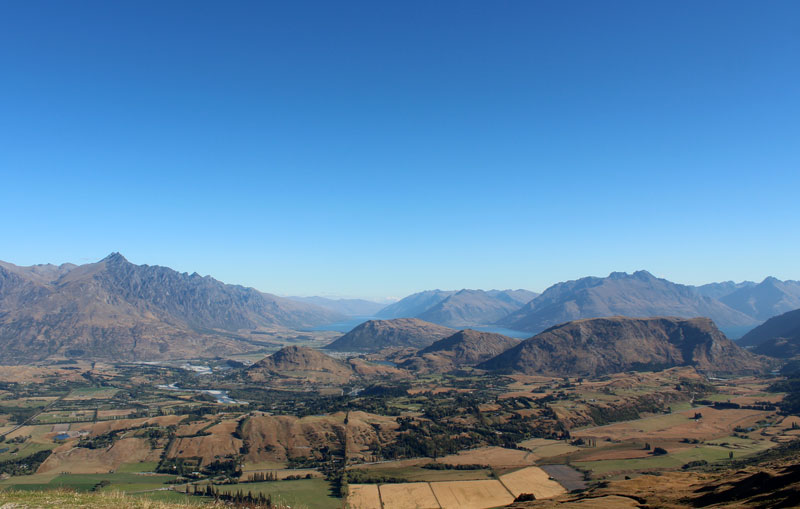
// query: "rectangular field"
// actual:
[[471, 494], [364, 496], [413, 495], [532, 480], [303, 493], [706, 452], [86, 393], [494, 456]]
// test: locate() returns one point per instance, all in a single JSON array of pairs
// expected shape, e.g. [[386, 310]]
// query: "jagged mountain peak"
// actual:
[[116, 309]]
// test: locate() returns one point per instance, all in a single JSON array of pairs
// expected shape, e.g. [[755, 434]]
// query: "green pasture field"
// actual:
[[127, 482], [28, 448], [145, 466], [172, 496], [65, 416], [304, 493], [92, 393], [27, 402], [707, 452]]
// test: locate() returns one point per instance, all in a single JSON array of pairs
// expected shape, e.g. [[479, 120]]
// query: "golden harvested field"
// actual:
[[532, 480], [493, 456], [471, 494], [412, 495], [546, 448], [364, 496]]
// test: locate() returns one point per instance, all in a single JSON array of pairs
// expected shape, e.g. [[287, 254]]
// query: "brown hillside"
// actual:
[[607, 345], [464, 348], [301, 361], [377, 335]]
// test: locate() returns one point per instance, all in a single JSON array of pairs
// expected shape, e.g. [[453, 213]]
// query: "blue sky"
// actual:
[[379, 148]]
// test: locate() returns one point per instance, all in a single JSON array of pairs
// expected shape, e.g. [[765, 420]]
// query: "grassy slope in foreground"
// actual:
[[70, 499]]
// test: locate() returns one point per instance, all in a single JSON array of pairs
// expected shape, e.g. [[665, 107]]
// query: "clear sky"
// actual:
[[379, 148]]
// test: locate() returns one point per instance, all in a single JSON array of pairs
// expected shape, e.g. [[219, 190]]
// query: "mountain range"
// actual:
[[764, 300], [589, 347], [346, 307], [735, 307], [114, 309], [461, 308], [777, 337], [600, 346], [620, 294]]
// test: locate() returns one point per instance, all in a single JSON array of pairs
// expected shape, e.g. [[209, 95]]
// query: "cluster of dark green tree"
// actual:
[[24, 466], [237, 499], [791, 402]]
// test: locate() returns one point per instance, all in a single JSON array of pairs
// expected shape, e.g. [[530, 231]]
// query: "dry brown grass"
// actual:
[[219, 444], [77, 460]]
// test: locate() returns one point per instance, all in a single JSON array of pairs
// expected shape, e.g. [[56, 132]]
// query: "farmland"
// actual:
[[437, 441]]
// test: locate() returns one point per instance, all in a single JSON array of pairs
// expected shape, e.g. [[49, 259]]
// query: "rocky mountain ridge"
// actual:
[[114, 309], [621, 294]]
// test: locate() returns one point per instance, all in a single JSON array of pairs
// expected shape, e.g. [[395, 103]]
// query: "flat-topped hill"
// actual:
[[607, 345]]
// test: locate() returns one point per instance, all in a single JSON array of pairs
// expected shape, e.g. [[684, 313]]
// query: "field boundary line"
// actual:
[[434, 495], [500, 478], [380, 496]]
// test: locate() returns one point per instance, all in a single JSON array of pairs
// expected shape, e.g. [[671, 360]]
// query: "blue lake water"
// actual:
[[345, 326], [505, 332]]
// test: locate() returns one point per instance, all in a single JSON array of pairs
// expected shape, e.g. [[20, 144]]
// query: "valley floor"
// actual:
[[114, 433]]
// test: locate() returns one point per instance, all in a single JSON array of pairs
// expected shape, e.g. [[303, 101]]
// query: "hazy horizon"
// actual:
[[369, 149]]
